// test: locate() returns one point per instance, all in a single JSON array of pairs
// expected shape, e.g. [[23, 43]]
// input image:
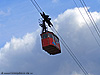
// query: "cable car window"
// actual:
[[45, 36], [56, 40], [49, 35]]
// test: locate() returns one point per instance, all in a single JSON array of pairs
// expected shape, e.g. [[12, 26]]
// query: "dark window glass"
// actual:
[[49, 35], [45, 36], [56, 40]]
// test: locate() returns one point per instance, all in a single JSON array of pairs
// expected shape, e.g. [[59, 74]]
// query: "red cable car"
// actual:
[[50, 43]]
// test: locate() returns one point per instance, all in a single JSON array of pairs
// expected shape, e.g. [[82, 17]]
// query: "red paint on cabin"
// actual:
[[50, 43]]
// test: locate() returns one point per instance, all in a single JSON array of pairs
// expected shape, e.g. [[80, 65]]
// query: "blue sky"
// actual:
[[20, 42], [20, 15]]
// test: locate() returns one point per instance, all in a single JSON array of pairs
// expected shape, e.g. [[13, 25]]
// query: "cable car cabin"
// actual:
[[50, 43]]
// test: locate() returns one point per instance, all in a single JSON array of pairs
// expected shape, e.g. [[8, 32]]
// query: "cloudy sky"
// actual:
[[20, 42]]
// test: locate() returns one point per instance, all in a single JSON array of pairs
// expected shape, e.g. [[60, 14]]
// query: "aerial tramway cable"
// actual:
[[87, 24], [35, 6], [38, 5], [68, 49], [90, 17]]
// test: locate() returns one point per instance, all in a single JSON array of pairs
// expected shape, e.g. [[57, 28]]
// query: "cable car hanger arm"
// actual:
[[46, 19]]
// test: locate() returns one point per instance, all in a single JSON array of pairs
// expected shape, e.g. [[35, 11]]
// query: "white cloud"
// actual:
[[5, 13], [75, 73], [72, 24], [16, 50], [75, 32], [72, 15]]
